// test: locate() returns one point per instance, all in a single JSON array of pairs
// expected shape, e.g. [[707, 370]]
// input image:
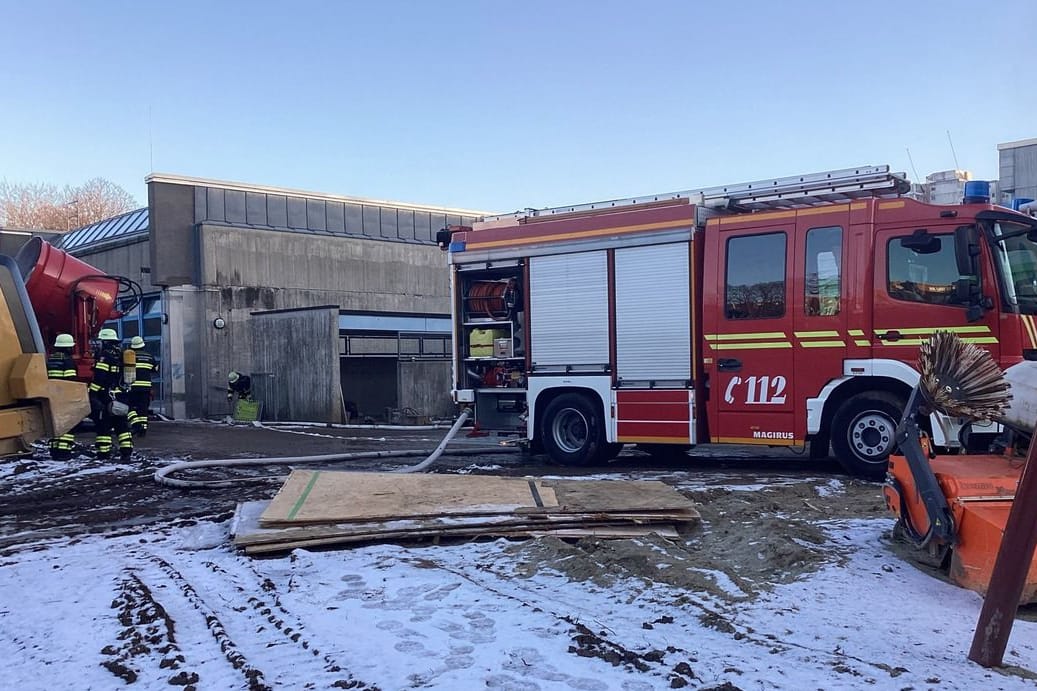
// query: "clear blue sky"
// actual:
[[500, 105]]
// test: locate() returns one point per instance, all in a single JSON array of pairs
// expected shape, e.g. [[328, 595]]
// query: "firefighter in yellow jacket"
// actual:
[[60, 365], [140, 390], [108, 406]]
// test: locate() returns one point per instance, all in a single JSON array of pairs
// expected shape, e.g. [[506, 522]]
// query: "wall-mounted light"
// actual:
[[219, 322]]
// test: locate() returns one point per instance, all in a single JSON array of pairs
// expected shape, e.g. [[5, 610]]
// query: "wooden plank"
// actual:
[[250, 533], [605, 532], [333, 497], [376, 530]]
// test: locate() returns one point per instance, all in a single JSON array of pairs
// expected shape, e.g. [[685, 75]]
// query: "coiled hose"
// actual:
[[162, 475]]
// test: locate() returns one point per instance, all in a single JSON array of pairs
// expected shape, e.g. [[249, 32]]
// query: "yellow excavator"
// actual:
[[32, 406], [68, 296]]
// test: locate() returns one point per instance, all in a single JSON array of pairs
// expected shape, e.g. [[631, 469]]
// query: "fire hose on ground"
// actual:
[[162, 475]]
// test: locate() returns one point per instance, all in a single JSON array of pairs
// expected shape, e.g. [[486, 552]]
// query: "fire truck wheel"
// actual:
[[863, 430], [572, 430]]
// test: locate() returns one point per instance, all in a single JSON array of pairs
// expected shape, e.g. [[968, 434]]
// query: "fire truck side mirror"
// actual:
[[966, 249]]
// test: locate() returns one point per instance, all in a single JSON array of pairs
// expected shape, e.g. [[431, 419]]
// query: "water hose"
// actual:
[[162, 475]]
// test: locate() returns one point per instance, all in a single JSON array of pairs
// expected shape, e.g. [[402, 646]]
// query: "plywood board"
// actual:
[[585, 496], [247, 531], [610, 532], [310, 496]]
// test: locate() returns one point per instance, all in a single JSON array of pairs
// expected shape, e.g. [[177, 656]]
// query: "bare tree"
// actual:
[[43, 206], [97, 199]]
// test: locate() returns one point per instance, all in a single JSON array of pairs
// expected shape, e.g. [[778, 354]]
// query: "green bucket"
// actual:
[[248, 411]]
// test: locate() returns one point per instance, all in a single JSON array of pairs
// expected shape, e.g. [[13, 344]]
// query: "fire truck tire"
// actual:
[[573, 431], [862, 433]]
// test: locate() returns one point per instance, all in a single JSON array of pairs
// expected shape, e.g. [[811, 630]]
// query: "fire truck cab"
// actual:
[[777, 312]]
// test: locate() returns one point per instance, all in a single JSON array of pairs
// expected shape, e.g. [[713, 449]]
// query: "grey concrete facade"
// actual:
[[228, 251], [1018, 170]]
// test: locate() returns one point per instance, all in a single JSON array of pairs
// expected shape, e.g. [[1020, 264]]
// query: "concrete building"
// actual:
[[1018, 170], [328, 302], [946, 187]]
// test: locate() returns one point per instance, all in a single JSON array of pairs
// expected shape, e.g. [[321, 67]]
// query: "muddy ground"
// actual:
[[761, 509], [766, 519]]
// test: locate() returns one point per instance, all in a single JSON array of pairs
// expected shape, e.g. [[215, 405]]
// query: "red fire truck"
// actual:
[[777, 312]]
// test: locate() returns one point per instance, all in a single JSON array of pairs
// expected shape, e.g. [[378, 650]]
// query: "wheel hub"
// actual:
[[871, 435], [570, 430]]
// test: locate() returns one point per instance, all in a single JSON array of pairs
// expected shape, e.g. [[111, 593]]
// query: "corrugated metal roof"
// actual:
[[122, 226]]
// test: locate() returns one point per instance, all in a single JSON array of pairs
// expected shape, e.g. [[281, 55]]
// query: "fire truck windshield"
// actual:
[[1016, 256]]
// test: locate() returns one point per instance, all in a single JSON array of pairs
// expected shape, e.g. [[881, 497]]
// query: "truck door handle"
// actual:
[[891, 335], [729, 364]]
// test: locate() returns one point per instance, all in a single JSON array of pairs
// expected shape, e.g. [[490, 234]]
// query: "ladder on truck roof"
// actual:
[[797, 191]]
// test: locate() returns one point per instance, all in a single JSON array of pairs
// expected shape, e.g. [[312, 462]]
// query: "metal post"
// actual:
[[1010, 570]]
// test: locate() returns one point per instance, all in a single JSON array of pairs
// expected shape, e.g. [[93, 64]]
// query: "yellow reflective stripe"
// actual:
[[104, 367], [1029, 325], [748, 346], [855, 332], [762, 335], [70, 373], [823, 344], [141, 384], [861, 342], [816, 334], [144, 365], [95, 387], [980, 339], [52, 373]]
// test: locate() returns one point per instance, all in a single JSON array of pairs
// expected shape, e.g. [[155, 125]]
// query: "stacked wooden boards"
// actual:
[[322, 508]]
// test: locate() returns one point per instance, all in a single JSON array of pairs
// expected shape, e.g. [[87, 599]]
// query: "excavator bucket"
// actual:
[[979, 490]]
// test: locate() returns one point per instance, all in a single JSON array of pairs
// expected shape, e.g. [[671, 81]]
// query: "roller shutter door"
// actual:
[[569, 309], [653, 333]]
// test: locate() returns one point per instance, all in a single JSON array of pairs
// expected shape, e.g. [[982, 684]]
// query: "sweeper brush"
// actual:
[[961, 379], [953, 508]]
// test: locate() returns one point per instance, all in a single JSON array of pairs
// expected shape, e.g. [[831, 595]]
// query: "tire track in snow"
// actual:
[[289, 628], [251, 674], [147, 629]]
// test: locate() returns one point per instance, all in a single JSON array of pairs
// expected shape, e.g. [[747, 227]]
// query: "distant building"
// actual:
[[328, 302], [946, 187], [1018, 169]]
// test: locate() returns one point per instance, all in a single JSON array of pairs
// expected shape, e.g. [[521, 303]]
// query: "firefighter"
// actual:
[[108, 406], [140, 390], [60, 365], [240, 384]]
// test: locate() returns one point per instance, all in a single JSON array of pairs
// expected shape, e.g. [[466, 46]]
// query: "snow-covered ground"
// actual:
[[178, 606]]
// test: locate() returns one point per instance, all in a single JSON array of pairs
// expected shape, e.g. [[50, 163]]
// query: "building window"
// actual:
[[823, 280], [927, 276], [755, 278], [412, 346], [145, 320]]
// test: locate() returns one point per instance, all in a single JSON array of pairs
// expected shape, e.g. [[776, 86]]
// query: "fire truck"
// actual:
[[776, 312]]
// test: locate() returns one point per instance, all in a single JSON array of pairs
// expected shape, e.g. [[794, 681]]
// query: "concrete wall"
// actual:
[[126, 259], [224, 250], [295, 370], [244, 270], [171, 218], [1018, 169]]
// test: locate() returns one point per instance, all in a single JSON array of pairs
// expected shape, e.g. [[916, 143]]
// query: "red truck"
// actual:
[[777, 312]]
